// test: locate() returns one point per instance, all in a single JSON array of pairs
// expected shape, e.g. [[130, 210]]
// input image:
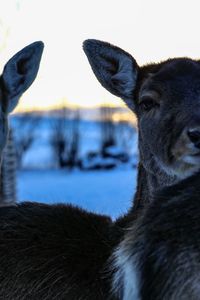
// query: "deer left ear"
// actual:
[[115, 69], [19, 73]]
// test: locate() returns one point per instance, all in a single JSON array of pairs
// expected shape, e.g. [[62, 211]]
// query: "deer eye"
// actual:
[[147, 103]]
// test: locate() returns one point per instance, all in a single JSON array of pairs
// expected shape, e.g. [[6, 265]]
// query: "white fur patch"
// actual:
[[126, 281]]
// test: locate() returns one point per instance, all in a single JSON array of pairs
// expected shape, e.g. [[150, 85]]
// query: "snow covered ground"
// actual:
[[107, 192]]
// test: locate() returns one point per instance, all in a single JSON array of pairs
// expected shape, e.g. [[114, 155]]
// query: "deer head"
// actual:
[[166, 100]]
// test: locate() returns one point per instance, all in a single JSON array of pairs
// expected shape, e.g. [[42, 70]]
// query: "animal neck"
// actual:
[[148, 181]]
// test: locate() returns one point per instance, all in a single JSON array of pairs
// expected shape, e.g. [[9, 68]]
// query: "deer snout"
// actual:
[[194, 136], [185, 153]]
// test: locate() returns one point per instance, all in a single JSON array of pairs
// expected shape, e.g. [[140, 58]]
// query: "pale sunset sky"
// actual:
[[150, 30]]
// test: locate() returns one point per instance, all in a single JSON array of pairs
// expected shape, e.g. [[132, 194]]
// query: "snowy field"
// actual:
[[106, 192]]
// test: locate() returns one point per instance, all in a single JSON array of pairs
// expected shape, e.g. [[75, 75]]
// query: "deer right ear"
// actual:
[[115, 69], [19, 73]]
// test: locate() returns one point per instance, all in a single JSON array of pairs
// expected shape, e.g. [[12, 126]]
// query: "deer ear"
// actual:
[[115, 69], [19, 73]]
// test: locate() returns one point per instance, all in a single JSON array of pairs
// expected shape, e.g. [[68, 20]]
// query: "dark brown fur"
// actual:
[[163, 247], [53, 252]]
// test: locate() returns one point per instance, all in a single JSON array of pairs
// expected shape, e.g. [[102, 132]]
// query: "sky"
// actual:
[[150, 30]]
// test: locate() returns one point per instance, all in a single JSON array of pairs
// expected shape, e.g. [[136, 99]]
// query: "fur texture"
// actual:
[[8, 194], [53, 252], [165, 242]]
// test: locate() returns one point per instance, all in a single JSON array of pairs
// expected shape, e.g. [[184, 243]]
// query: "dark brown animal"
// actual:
[[62, 252], [159, 257]]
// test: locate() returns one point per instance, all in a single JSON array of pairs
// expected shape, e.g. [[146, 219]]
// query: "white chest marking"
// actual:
[[126, 276]]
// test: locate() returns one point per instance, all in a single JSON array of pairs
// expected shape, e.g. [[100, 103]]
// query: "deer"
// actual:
[[64, 252], [165, 98], [18, 75], [159, 256]]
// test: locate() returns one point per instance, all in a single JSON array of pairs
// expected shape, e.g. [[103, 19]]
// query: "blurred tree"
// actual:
[[24, 133], [125, 135], [65, 138], [117, 136], [108, 129]]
